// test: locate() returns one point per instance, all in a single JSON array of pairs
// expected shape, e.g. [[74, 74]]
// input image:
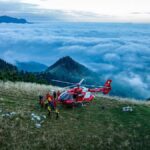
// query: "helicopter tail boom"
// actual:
[[105, 89]]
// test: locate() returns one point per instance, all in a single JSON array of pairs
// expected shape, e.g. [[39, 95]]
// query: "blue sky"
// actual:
[[79, 10]]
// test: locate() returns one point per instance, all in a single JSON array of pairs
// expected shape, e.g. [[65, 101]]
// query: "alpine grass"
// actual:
[[99, 125]]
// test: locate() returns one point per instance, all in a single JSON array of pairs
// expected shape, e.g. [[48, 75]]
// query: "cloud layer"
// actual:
[[117, 51]]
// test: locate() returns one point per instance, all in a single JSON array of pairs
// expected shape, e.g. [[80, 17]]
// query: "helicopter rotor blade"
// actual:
[[81, 82], [71, 86], [75, 84], [62, 82]]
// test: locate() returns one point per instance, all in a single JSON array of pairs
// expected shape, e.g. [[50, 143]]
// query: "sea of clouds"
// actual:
[[117, 51]]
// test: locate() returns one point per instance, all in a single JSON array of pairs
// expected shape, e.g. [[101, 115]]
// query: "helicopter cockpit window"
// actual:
[[87, 95], [65, 96]]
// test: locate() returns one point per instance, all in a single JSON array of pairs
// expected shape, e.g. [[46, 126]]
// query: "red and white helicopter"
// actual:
[[81, 94]]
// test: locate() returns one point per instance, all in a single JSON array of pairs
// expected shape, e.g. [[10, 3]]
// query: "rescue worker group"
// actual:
[[50, 102]]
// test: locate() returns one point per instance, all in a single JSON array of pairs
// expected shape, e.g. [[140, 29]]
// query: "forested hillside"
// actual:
[[11, 73]]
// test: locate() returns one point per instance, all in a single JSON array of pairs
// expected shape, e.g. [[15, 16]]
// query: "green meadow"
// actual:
[[100, 125]]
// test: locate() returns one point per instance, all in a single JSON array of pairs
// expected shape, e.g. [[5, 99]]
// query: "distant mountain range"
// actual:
[[65, 69], [8, 19], [31, 66]]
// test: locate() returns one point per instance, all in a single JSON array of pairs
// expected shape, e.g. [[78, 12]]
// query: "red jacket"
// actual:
[[49, 97]]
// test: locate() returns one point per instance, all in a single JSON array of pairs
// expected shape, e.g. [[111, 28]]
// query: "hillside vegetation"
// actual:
[[100, 125], [9, 72]]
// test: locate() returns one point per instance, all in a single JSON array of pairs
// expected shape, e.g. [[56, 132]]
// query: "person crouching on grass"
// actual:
[[52, 105], [47, 100]]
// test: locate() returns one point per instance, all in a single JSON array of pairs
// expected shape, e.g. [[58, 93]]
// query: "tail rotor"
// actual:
[[107, 87]]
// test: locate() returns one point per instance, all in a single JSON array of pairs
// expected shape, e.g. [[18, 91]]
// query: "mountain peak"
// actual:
[[65, 59], [67, 69], [68, 64]]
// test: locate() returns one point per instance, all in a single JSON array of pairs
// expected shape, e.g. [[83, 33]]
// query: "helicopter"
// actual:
[[78, 94]]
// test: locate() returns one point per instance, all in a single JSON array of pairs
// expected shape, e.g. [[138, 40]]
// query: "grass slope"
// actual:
[[85, 128]]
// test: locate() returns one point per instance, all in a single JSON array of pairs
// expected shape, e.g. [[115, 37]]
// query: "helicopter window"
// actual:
[[87, 95], [66, 96]]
